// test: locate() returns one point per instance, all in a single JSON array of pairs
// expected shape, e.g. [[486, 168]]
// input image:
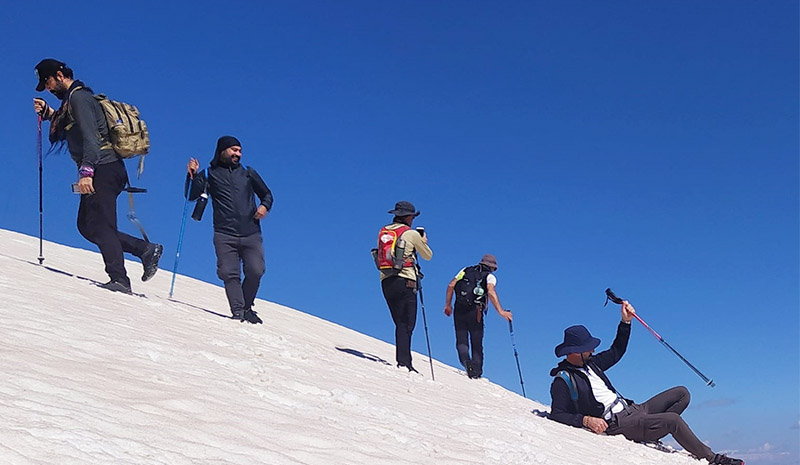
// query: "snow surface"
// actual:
[[96, 377]]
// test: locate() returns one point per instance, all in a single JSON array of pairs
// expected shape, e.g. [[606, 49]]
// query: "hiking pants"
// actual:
[[401, 296], [97, 220], [469, 332], [233, 254], [658, 417]]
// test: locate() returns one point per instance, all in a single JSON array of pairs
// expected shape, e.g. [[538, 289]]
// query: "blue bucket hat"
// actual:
[[576, 340]]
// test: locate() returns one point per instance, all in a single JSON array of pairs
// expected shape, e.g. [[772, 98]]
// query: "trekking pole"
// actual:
[[41, 211], [180, 236], [613, 297], [424, 318], [516, 356]]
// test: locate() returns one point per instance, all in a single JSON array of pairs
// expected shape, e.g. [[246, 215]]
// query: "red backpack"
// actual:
[[389, 254]]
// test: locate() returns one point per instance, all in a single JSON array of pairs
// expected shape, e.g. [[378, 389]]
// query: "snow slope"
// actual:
[[96, 377]]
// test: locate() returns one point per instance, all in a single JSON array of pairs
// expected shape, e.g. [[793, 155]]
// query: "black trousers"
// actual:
[[97, 220], [659, 416], [402, 301], [469, 332], [233, 255]]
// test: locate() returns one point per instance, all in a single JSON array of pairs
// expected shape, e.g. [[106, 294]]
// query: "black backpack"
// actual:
[[471, 289]]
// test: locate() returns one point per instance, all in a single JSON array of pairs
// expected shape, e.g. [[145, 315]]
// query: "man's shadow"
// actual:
[[365, 356], [227, 317]]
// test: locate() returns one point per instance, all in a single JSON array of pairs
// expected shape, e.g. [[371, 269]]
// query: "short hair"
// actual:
[[67, 72]]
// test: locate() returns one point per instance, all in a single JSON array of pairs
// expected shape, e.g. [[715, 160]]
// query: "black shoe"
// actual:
[[238, 315], [410, 367], [252, 317], [150, 258], [117, 286], [722, 459]]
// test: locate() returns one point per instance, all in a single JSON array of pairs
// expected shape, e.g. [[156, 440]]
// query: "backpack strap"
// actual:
[[132, 213], [573, 390]]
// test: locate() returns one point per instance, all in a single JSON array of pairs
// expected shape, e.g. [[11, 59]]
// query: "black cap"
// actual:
[[403, 208], [225, 142], [46, 68]]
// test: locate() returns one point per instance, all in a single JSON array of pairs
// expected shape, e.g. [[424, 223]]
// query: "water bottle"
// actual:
[[199, 207]]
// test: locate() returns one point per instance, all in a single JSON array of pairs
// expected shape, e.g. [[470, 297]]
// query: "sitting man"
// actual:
[[582, 395]]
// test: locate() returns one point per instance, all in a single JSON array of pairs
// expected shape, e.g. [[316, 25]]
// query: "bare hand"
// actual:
[[506, 314], [192, 167], [627, 311], [261, 212], [86, 185], [598, 425], [448, 310]]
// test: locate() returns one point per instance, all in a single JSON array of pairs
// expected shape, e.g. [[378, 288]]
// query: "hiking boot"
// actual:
[[721, 459], [238, 315], [150, 258], [252, 317], [117, 286], [410, 368]]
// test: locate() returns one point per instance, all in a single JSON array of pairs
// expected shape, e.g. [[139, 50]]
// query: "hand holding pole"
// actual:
[[613, 297]]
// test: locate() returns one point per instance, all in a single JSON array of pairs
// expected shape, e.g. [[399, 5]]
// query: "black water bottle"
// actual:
[[199, 207]]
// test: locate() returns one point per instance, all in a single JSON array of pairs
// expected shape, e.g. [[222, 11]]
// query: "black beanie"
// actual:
[[224, 142]]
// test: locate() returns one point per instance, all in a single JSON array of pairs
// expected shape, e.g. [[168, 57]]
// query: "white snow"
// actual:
[[95, 377]]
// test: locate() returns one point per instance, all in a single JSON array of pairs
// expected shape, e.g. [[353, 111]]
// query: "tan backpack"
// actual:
[[128, 133]]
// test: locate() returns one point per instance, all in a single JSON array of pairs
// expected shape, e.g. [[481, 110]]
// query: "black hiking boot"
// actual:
[[410, 367], [238, 315], [252, 317], [150, 258], [472, 372], [722, 459], [117, 286]]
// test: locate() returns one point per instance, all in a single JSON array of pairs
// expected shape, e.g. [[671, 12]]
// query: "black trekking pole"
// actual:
[[41, 210], [516, 356], [180, 236], [613, 297], [424, 318]]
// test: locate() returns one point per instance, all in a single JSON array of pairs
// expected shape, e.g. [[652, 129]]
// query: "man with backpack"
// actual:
[[395, 258], [237, 222], [471, 286], [583, 396], [81, 123]]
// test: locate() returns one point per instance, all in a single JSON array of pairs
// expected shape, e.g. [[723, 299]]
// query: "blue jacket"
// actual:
[[562, 408], [232, 190]]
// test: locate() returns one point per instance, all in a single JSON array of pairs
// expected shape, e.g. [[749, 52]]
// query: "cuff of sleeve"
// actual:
[[86, 171]]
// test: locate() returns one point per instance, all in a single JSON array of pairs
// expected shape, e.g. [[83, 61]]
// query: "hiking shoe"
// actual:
[[722, 459], [238, 315], [410, 367], [117, 286], [252, 317], [150, 258]]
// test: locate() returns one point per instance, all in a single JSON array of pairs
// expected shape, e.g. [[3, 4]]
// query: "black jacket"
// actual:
[[83, 125], [231, 189], [562, 409]]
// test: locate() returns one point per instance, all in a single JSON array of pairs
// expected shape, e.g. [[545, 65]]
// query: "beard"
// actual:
[[60, 90]]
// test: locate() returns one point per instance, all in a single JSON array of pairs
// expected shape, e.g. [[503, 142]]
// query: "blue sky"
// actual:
[[649, 147]]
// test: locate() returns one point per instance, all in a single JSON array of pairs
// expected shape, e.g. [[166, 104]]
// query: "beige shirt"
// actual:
[[413, 243]]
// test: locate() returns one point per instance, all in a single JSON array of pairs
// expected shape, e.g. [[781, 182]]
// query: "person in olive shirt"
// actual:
[[399, 286]]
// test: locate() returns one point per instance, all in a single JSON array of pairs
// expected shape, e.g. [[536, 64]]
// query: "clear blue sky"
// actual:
[[647, 146]]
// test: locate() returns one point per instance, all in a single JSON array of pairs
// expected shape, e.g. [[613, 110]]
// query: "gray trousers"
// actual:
[[233, 255], [659, 416]]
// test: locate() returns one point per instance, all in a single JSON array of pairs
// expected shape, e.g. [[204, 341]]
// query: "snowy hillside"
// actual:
[[96, 377]]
